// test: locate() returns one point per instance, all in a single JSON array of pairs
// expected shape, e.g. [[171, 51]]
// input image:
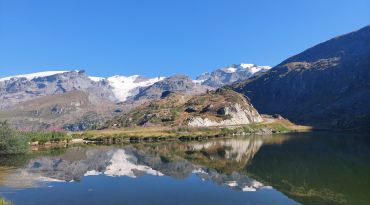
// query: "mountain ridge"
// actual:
[[326, 85]]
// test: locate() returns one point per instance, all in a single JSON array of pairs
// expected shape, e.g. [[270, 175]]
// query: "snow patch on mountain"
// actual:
[[123, 86], [198, 81], [96, 79], [33, 75], [231, 70]]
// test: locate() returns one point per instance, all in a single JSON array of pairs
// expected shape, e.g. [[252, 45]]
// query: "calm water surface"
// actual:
[[298, 168]]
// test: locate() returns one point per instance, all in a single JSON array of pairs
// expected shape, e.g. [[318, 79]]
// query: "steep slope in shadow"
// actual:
[[326, 85]]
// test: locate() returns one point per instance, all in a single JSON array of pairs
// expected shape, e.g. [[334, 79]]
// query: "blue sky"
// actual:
[[153, 38]]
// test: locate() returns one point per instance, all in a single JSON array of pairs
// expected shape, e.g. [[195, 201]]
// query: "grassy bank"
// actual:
[[155, 132]]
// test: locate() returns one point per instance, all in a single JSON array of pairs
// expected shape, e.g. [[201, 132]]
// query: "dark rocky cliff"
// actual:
[[326, 85]]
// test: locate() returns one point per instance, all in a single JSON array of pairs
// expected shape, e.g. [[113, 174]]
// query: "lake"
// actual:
[[292, 168]]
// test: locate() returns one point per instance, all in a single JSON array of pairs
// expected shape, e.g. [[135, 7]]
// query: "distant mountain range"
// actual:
[[16, 89], [20, 93]]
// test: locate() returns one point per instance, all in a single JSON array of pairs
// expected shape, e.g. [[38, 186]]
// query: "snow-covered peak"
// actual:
[[251, 68], [33, 75]]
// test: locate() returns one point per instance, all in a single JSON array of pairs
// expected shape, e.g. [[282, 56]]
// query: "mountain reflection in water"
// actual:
[[309, 168], [133, 162]]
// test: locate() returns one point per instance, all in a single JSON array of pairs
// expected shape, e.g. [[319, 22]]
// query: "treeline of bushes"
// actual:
[[17, 141], [11, 141]]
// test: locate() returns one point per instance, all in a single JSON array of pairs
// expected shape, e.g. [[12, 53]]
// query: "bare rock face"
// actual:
[[238, 116], [140, 79], [177, 83], [204, 76]]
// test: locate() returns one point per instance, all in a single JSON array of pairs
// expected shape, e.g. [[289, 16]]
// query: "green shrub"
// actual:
[[123, 123], [43, 140], [174, 116], [11, 141], [201, 101], [224, 117], [4, 202]]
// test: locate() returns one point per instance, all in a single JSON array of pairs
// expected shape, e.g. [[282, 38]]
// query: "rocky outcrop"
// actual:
[[238, 116], [327, 85]]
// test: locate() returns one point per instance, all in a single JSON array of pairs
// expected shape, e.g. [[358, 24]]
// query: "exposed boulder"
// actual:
[[238, 116]]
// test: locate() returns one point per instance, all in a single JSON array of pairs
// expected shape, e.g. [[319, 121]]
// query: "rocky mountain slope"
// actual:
[[234, 73], [177, 83], [16, 89], [34, 100], [326, 85], [220, 107], [72, 110]]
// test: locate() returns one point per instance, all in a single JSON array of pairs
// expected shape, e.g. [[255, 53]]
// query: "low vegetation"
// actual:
[[50, 135]]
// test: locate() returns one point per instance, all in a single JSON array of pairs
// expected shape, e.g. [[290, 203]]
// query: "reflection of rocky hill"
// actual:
[[239, 147]]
